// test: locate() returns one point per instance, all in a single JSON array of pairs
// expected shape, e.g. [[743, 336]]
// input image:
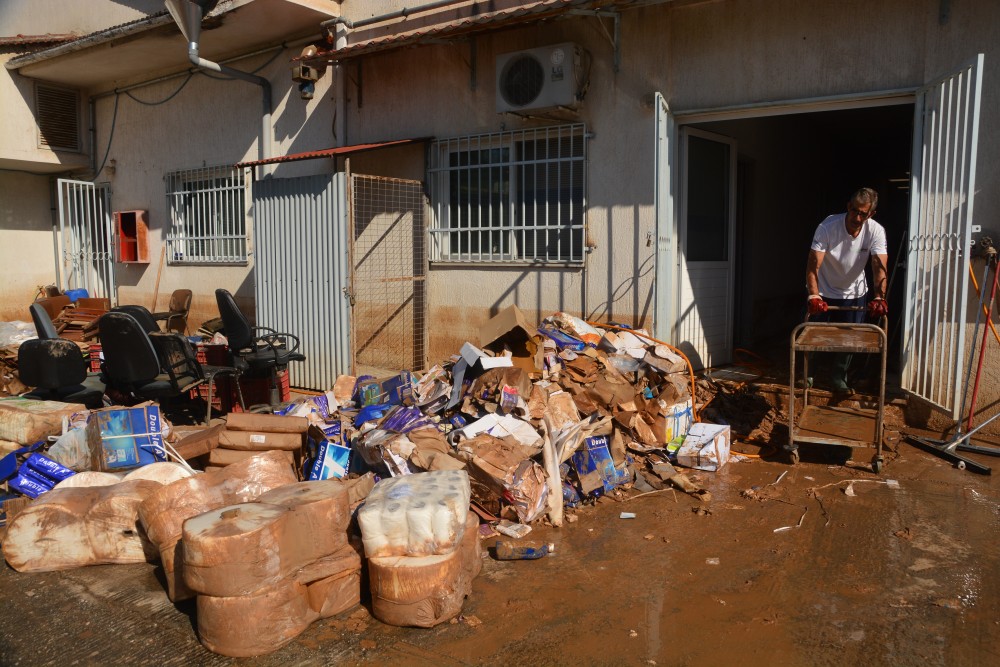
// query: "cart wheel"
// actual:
[[877, 464], [793, 456]]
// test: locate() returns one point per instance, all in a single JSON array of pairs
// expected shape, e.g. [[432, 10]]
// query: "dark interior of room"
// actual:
[[793, 171]]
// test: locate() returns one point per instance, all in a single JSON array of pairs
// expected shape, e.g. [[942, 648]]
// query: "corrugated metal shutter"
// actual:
[[57, 111], [301, 267]]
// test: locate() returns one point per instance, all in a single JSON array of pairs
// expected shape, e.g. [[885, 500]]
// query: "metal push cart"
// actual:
[[834, 425]]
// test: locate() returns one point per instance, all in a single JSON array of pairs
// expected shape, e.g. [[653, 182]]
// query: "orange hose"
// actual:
[[694, 401], [975, 283]]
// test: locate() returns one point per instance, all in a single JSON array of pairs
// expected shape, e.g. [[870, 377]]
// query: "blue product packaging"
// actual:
[[122, 438], [596, 468], [563, 340], [46, 467], [398, 389], [29, 486], [332, 458]]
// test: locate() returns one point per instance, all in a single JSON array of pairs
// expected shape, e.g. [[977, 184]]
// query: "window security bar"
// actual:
[[207, 216]]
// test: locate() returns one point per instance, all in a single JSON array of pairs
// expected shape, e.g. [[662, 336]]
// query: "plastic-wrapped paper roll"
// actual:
[[74, 527], [164, 472], [249, 625], [415, 515], [163, 514], [245, 626], [239, 549], [88, 478], [428, 590]]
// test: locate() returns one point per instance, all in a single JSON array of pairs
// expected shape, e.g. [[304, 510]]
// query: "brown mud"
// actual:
[[886, 576]]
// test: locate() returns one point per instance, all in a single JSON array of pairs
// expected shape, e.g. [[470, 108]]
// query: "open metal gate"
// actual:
[[389, 275], [86, 238], [943, 182], [301, 269]]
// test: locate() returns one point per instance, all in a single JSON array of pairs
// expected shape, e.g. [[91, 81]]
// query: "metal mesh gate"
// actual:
[[390, 269], [86, 238]]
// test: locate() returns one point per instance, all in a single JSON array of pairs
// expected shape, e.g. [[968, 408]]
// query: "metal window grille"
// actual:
[[207, 216], [517, 196]]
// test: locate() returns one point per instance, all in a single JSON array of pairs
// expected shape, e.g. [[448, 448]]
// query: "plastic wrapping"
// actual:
[[416, 515]]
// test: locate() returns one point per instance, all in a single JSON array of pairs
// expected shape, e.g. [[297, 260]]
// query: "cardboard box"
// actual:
[[672, 421], [510, 330], [706, 447], [123, 438]]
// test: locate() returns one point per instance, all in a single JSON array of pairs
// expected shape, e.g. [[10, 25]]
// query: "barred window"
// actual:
[[207, 216], [510, 196]]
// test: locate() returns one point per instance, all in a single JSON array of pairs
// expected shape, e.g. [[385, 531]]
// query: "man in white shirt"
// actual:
[[835, 274]]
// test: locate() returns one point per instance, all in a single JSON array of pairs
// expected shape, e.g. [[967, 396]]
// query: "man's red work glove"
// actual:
[[878, 307], [816, 305]]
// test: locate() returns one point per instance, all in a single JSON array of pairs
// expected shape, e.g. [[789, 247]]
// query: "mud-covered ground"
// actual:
[[887, 576]]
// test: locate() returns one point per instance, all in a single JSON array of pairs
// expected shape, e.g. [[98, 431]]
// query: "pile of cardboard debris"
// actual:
[[268, 519]]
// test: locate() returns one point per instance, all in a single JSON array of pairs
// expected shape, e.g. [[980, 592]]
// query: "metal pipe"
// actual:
[[340, 93], [399, 13], [975, 336], [264, 150], [982, 348], [177, 75]]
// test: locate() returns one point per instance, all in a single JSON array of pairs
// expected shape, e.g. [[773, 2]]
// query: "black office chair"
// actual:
[[55, 367], [141, 315], [43, 323], [157, 365], [132, 365], [256, 350], [259, 348]]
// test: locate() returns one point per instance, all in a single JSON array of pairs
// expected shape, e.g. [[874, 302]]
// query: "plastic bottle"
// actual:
[[506, 550]]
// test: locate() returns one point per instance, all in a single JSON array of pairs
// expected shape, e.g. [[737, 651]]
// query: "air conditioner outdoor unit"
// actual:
[[542, 78]]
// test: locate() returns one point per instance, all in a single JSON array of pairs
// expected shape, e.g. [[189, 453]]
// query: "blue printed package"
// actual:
[[36, 476], [596, 468], [122, 438], [48, 468], [563, 340], [398, 389], [29, 486], [332, 457]]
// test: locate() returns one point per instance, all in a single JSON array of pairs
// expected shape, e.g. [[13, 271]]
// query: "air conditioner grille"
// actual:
[[521, 80], [57, 111]]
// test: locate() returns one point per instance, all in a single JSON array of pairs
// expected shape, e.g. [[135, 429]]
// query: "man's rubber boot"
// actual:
[[838, 374]]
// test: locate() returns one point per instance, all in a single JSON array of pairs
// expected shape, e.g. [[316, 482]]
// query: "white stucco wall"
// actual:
[[26, 252], [700, 55], [210, 122], [43, 17]]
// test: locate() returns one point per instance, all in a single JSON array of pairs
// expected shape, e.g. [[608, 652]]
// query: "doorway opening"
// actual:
[[792, 171]]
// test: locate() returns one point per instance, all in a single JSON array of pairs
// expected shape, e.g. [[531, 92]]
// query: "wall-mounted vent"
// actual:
[[542, 78], [57, 111]]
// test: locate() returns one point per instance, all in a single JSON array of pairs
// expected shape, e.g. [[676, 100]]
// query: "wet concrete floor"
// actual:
[[888, 576]]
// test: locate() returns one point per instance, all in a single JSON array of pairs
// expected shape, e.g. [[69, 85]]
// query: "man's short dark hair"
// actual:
[[866, 196]]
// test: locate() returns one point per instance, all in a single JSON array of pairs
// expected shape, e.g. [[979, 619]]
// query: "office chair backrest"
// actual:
[[50, 363], [141, 315], [129, 356], [43, 323], [239, 333]]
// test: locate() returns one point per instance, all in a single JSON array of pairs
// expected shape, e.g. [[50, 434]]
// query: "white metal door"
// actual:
[[87, 238], [707, 222], [946, 134]]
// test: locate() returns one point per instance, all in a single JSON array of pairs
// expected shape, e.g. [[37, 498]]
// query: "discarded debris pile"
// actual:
[[254, 516]]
